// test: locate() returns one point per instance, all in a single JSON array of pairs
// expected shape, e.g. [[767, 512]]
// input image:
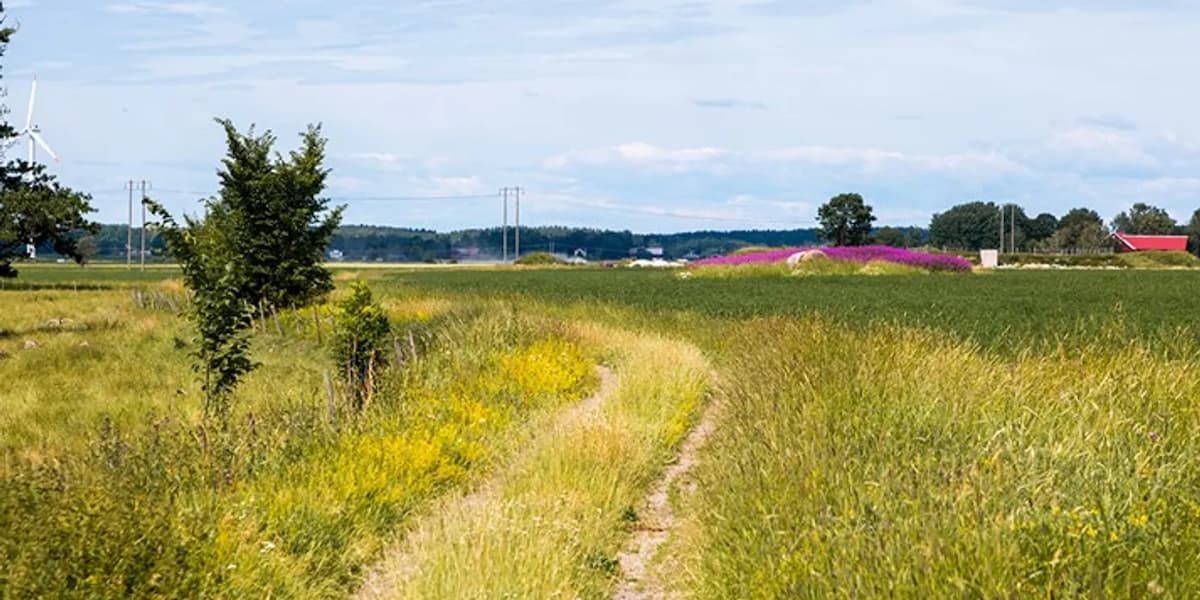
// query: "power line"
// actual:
[[517, 192], [411, 198], [145, 185], [356, 198], [504, 227]]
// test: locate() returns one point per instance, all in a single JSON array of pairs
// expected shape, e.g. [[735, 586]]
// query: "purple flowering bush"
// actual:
[[856, 254]]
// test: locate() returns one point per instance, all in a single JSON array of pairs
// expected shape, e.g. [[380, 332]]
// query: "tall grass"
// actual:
[[553, 521], [137, 496], [900, 462]]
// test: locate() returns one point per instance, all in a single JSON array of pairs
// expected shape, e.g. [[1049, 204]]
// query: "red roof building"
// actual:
[[1144, 243]]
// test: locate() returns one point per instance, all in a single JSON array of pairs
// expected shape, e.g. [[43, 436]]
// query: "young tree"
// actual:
[[1144, 219], [34, 208], [846, 220], [360, 342], [270, 217], [260, 243], [223, 318]]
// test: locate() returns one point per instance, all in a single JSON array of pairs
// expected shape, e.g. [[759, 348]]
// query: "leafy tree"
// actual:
[[1193, 233], [260, 242], [34, 208], [1079, 229], [1041, 227], [268, 217], [1016, 227], [360, 341], [891, 236], [899, 237], [1144, 219], [970, 226], [846, 220], [214, 274], [87, 248]]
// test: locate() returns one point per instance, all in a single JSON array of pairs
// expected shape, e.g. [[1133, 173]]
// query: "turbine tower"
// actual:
[[32, 131]]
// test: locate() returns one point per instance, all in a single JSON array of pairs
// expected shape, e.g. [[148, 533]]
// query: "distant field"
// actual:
[[118, 274], [97, 275], [1001, 310]]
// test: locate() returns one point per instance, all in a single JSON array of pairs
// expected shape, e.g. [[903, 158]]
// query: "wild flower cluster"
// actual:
[[857, 254]]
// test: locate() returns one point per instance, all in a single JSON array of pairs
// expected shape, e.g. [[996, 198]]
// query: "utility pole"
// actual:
[[504, 230], [129, 231], [1001, 230], [145, 185], [1012, 226], [517, 253]]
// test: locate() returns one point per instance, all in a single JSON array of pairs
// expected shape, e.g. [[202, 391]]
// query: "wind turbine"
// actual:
[[33, 131]]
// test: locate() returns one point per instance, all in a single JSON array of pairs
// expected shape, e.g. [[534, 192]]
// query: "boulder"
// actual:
[[804, 256]]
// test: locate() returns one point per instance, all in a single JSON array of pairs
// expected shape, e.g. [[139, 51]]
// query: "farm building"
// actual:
[[1144, 243]]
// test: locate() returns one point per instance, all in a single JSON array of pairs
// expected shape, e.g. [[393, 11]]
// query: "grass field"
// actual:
[[1012, 434]]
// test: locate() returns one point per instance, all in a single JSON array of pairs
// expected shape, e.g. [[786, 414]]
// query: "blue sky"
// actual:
[[651, 115]]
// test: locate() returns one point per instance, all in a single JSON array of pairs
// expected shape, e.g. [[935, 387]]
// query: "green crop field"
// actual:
[[599, 432], [1007, 310]]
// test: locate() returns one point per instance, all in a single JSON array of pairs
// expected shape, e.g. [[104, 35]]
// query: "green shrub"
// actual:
[[1062, 260], [752, 250], [537, 259], [359, 344]]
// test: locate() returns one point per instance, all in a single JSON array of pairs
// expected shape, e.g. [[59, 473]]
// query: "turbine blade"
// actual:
[[41, 142], [32, 99]]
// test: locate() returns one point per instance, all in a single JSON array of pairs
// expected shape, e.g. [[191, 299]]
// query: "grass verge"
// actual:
[[552, 523], [148, 500], [902, 463]]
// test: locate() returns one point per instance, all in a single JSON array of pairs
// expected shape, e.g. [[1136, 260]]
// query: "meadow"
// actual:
[[1012, 434]]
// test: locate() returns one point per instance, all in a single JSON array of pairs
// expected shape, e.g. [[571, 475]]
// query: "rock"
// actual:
[[804, 256], [31, 345], [84, 344]]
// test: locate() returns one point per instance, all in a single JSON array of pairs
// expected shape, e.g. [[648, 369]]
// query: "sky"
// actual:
[[648, 115]]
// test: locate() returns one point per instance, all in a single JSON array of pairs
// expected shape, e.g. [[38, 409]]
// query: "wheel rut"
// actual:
[[400, 564], [638, 580]]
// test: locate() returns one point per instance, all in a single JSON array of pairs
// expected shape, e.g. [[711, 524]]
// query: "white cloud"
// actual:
[[346, 183], [1103, 146], [457, 185], [693, 214], [1172, 186], [639, 154], [875, 160], [185, 9], [974, 165], [386, 158]]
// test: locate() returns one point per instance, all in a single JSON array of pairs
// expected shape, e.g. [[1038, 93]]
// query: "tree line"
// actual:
[[402, 244], [846, 220]]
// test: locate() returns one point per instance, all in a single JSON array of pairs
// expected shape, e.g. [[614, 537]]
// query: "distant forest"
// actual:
[[395, 244]]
